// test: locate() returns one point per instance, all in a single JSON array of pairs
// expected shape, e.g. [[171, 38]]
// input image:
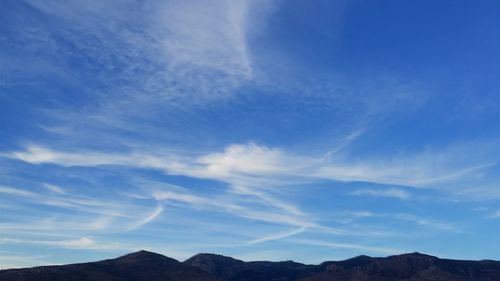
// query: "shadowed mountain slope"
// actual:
[[407, 267], [143, 265], [232, 269], [137, 266]]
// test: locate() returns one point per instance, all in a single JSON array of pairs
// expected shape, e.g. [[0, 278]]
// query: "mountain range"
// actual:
[[149, 266]]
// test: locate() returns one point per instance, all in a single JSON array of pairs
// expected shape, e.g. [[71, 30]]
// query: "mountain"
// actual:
[[137, 266], [231, 269], [148, 266]]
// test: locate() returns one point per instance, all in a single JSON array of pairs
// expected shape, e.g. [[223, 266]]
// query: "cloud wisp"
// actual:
[[391, 193], [251, 165]]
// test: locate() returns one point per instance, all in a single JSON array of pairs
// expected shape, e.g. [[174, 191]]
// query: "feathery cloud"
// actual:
[[391, 192]]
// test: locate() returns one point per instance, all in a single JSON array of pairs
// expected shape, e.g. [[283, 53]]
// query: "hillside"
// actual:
[[148, 266]]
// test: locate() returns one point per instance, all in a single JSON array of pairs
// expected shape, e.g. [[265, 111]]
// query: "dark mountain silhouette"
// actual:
[[137, 266], [148, 266], [231, 269]]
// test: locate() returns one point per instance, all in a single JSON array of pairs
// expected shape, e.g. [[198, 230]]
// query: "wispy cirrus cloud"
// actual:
[[277, 236], [391, 193], [54, 188], [359, 247], [250, 165], [274, 213], [496, 214], [244, 168], [78, 244], [185, 52], [426, 222], [81, 213], [16, 191], [153, 215]]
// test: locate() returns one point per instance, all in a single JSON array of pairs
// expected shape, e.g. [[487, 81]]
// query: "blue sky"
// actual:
[[276, 130]]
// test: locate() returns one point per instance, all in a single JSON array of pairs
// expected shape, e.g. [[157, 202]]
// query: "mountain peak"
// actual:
[[219, 265], [213, 258], [361, 257], [143, 252], [143, 256], [415, 255]]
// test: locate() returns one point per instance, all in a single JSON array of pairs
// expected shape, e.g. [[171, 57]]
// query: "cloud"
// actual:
[[16, 191], [277, 236], [81, 243], [416, 175], [184, 52], [455, 164], [244, 159], [40, 155], [207, 35], [360, 247], [54, 188], [75, 213], [391, 192], [425, 221], [267, 198], [273, 214], [255, 177], [349, 217], [496, 214], [149, 218], [252, 165]]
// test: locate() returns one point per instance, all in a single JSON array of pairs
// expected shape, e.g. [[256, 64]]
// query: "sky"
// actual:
[[259, 129]]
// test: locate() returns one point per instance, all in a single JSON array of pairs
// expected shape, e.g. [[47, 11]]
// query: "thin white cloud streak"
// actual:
[[54, 188], [269, 216], [335, 245], [343, 144], [425, 222], [157, 212], [276, 211], [277, 236], [16, 191], [73, 223], [349, 217], [455, 164], [495, 215], [267, 198], [391, 193], [82, 213], [414, 175], [39, 155], [82, 243]]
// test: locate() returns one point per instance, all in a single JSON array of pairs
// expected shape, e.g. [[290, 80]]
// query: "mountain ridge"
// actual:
[[146, 265]]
